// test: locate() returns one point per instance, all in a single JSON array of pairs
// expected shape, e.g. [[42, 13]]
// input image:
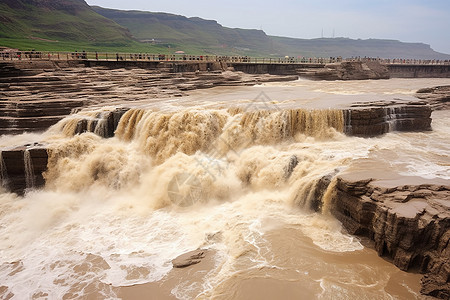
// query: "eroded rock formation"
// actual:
[[36, 95], [408, 223], [189, 258], [22, 167], [376, 118], [438, 97], [351, 70]]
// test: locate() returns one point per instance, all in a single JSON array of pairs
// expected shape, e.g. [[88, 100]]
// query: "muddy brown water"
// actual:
[[115, 212]]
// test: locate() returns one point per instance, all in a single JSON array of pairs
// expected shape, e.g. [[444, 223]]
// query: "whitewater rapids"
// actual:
[[115, 212]]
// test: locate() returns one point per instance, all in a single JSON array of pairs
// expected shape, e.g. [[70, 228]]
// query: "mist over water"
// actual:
[[115, 212]]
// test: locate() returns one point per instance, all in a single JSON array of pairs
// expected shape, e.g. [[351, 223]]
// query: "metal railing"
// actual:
[[137, 57]]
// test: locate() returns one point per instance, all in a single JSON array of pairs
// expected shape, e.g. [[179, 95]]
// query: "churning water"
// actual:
[[239, 182]]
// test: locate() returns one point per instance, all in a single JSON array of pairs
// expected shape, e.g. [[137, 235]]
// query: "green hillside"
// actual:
[[67, 25], [326, 47], [197, 35], [189, 34], [59, 25]]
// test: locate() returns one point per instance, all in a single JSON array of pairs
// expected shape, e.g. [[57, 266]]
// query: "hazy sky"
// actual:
[[426, 21]]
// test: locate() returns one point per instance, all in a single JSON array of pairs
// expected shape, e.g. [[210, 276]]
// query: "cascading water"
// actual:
[[95, 121], [115, 212], [162, 134], [3, 172], [29, 170]]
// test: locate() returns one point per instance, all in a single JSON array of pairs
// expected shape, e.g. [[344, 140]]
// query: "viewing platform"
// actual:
[[141, 57], [331, 68]]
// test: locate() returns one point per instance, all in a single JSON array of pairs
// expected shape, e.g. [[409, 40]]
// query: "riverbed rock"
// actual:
[[409, 224], [189, 258], [289, 168], [16, 177], [438, 97], [377, 118], [35, 95]]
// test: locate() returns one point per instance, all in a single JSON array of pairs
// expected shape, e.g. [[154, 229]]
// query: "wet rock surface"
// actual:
[[438, 97], [33, 98], [409, 224], [189, 258], [22, 168], [379, 117]]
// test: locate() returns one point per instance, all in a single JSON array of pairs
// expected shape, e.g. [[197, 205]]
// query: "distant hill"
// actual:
[[345, 47], [189, 33], [56, 21], [73, 24], [209, 36]]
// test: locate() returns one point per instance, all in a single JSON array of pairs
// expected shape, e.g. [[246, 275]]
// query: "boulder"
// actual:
[[189, 258]]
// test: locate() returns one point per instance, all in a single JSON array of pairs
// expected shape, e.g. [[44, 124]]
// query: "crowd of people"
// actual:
[[83, 55]]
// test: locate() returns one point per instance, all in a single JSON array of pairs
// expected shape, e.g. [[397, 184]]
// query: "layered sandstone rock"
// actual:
[[103, 124], [189, 259], [37, 94], [22, 168], [438, 97], [377, 118], [408, 223]]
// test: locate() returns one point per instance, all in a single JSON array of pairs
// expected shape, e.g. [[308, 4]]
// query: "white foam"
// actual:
[[106, 209]]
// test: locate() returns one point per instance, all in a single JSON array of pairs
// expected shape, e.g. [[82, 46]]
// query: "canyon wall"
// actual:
[[409, 224], [377, 118]]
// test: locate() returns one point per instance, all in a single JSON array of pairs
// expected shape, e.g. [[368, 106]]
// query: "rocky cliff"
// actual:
[[376, 118], [37, 94], [438, 97], [409, 224]]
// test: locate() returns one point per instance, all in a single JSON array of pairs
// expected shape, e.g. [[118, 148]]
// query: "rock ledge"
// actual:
[[409, 223]]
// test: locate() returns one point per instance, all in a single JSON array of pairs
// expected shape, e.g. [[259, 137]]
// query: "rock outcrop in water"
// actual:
[[22, 168], [377, 118], [103, 123], [409, 224], [438, 97], [189, 259]]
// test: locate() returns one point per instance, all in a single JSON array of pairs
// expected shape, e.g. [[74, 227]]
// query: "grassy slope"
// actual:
[[351, 48], [198, 35], [189, 34], [67, 25], [71, 25]]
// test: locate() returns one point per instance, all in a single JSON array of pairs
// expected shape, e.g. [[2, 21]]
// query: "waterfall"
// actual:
[[101, 127], [391, 118], [29, 171], [162, 134], [3, 172], [90, 121], [348, 121]]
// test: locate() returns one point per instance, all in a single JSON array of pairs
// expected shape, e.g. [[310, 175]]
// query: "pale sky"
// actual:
[[426, 21]]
